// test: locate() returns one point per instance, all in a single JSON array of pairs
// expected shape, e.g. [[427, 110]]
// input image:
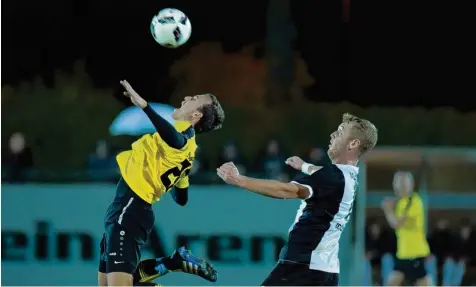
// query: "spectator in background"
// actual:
[[318, 156], [230, 153], [380, 246], [18, 158], [374, 243], [466, 240], [442, 241], [373, 250], [443, 246], [271, 161], [465, 251], [102, 164]]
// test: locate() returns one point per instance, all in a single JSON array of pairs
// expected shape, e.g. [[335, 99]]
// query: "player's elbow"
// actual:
[[394, 226], [290, 191], [299, 191], [287, 195], [181, 203], [398, 223], [181, 200], [180, 196]]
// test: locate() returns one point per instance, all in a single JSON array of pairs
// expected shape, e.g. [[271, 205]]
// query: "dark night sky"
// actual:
[[410, 54]]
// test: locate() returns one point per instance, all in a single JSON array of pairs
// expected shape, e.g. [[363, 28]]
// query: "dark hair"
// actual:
[[213, 116]]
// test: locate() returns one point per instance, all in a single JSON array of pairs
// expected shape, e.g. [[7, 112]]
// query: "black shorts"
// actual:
[[128, 222], [293, 274], [413, 269]]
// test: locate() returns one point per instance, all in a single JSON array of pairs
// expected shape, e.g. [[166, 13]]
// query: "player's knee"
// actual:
[[395, 279], [119, 279], [102, 279], [425, 281]]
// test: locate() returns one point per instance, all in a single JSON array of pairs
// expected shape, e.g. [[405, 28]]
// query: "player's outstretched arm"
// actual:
[[297, 163], [167, 132], [270, 188]]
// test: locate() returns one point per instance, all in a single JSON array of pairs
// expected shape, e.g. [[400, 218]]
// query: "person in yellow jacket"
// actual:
[[406, 216]]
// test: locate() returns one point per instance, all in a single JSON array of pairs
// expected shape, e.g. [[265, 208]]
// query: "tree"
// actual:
[[63, 121], [238, 79]]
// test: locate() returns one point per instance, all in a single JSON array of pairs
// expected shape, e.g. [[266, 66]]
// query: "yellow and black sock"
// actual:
[[151, 269]]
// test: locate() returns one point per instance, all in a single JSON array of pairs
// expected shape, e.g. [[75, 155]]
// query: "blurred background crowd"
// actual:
[[100, 165]]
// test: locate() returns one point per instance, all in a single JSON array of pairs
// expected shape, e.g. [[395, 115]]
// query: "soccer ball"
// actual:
[[171, 28]]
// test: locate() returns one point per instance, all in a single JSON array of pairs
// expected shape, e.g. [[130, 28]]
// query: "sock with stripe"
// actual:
[[153, 267], [163, 264]]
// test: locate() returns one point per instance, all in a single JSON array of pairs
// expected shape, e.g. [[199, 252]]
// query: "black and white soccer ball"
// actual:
[[171, 28]]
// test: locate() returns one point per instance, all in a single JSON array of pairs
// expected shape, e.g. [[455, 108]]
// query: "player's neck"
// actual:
[[406, 194], [346, 161], [184, 121], [180, 118], [354, 163]]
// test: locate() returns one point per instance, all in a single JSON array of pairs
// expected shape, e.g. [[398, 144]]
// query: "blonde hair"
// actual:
[[363, 130]]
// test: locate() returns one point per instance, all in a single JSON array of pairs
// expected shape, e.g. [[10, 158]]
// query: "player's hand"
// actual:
[[387, 203], [295, 162], [133, 95], [229, 173]]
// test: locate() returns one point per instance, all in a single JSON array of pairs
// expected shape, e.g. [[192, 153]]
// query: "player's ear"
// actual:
[[355, 143], [196, 116]]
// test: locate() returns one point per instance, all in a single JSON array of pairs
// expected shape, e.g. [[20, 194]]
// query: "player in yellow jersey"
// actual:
[[154, 166], [406, 216]]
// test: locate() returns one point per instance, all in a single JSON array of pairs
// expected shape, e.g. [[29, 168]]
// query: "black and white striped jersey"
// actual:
[[321, 218]]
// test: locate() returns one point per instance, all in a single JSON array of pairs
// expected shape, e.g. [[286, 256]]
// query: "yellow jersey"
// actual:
[[151, 168], [411, 236]]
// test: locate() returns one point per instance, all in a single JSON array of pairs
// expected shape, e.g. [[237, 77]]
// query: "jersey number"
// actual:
[[176, 172]]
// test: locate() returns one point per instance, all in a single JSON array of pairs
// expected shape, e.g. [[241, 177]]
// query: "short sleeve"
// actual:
[[183, 182], [158, 141], [304, 183], [321, 183]]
